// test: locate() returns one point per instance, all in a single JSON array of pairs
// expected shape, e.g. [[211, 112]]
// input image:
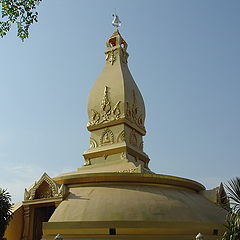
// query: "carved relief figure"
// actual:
[[107, 137]]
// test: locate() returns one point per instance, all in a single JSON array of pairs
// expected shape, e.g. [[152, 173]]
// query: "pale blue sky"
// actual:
[[184, 56]]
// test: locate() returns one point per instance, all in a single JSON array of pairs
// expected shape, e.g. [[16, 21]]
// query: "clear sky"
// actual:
[[184, 57]]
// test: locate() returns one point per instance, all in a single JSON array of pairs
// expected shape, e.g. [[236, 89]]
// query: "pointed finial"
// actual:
[[116, 21]]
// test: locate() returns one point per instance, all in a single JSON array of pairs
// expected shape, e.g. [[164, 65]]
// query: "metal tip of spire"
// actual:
[[116, 21]]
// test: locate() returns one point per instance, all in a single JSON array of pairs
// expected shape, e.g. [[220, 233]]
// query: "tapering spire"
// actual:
[[116, 113]]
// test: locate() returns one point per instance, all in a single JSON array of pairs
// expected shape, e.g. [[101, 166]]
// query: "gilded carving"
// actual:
[[131, 170], [51, 189], [140, 121], [132, 112], [107, 137], [93, 143], [110, 57], [106, 106], [134, 108], [133, 139], [121, 136], [107, 112], [116, 46], [128, 111], [116, 111], [95, 117]]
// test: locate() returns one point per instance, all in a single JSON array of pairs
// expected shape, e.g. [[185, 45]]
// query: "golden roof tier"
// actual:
[[116, 113]]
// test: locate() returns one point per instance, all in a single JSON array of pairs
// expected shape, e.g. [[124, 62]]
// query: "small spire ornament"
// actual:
[[116, 21]]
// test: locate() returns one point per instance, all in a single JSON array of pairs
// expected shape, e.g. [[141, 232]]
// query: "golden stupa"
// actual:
[[115, 195]]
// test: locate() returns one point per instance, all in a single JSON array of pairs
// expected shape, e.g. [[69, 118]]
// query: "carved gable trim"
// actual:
[[52, 190]]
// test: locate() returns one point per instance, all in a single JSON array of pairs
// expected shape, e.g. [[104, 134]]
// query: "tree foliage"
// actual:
[[20, 12], [233, 216], [5, 210]]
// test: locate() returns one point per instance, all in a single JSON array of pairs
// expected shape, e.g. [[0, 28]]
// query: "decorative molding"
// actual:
[[106, 106], [116, 46], [52, 190], [95, 117], [140, 122], [131, 170], [107, 112], [141, 145], [116, 111], [107, 137], [133, 138], [110, 57], [93, 143], [121, 136], [133, 113]]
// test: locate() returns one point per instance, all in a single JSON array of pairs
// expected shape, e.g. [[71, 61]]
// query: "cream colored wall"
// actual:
[[15, 227], [130, 230]]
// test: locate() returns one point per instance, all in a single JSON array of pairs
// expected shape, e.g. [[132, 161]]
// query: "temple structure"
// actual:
[[115, 195]]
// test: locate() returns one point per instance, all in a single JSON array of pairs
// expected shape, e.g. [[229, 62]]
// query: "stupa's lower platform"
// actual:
[[129, 230]]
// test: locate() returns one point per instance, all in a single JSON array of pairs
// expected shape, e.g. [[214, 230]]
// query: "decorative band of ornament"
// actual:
[[109, 113], [132, 170], [132, 112], [111, 55]]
